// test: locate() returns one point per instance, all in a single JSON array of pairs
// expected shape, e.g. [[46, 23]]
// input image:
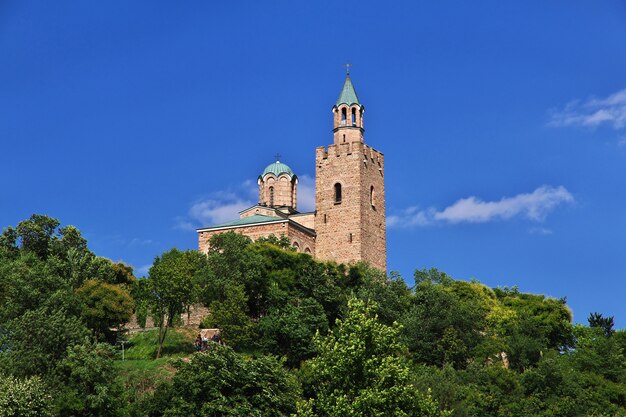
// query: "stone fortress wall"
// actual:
[[352, 229]]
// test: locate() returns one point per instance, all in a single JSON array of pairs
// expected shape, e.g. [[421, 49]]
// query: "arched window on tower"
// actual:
[[353, 117], [372, 197], [337, 193], [271, 196], [344, 115]]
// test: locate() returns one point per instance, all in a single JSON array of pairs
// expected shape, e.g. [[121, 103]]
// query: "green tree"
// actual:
[[432, 276], [444, 324], [360, 371], [37, 234], [231, 317], [605, 323], [392, 296], [289, 330], [171, 287], [29, 283], [223, 383], [35, 342], [282, 242], [539, 324], [229, 261], [88, 384], [42, 266], [559, 386], [598, 354], [140, 291], [27, 397], [476, 391], [104, 306]]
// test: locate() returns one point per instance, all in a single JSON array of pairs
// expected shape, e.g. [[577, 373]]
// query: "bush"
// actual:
[[24, 397], [221, 382]]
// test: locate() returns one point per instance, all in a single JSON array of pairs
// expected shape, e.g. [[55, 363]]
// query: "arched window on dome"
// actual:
[[344, 115], [271, 196], [337, 193]]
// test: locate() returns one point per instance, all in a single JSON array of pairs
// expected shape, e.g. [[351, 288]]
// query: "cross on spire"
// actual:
[[347, 68], [277, 156]]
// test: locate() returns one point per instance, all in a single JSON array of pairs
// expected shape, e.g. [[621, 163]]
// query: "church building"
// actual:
[[348, 224]]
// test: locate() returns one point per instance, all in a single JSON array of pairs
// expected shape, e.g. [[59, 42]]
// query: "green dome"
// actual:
[[277, 168]]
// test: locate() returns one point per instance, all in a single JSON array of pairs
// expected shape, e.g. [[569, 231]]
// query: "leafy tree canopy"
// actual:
[[223, 383], [360, 371]]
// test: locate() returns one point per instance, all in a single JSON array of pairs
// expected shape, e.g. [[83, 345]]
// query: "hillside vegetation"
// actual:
[[301, 338]]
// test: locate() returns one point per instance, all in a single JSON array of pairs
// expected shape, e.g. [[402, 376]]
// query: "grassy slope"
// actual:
[[143, 346], [140, 371]]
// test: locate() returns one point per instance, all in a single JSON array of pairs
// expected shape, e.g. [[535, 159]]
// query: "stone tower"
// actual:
[[277, 186], [350, 190]]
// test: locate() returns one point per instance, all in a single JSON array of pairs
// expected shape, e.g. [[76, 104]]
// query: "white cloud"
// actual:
[[182, 223], [140, 242], [223, 206], [410, 217], [219, 208], [306, 194], [593, 112], [119, 240], [534, 206], [540, 231]]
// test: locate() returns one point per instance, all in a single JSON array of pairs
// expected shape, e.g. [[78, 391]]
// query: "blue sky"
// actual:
[[503, 126]]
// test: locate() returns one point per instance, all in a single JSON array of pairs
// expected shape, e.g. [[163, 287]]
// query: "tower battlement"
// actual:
[[345, 149]]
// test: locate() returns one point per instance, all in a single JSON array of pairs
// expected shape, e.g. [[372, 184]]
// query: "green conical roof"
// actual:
[[277, 168], [348, 94]]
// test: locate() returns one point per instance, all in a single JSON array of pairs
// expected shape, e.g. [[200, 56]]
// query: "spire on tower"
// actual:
[[348, 93]]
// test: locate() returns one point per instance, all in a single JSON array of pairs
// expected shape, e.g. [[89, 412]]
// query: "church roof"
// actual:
[[348, 94], [257, 218], [277, 168]]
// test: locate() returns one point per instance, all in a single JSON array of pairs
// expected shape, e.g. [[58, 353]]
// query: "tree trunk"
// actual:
[[162, 332]]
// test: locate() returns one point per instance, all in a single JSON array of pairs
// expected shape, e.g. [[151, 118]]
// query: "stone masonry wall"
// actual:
[[195, 316], [337, 224], [253, 232], [373, 224], [294, 233], [348, 133], [306, 219], [351, 230], [284, 190], [305, 242]]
